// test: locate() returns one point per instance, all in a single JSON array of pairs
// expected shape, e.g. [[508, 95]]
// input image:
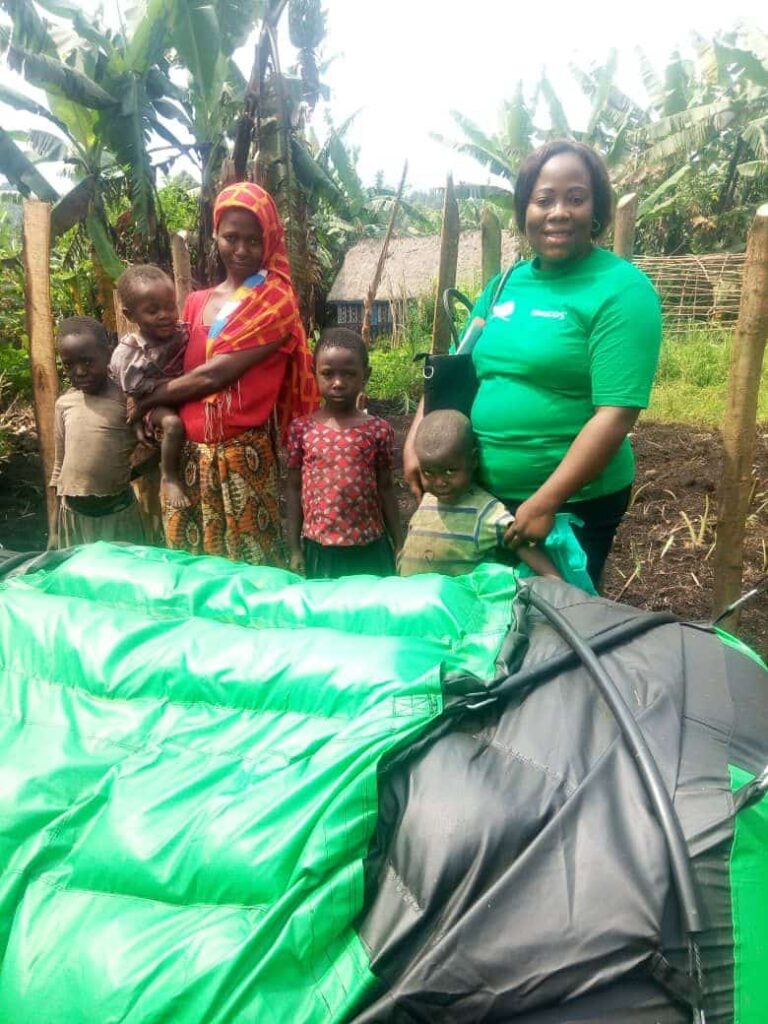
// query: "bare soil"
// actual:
[[662, 559]]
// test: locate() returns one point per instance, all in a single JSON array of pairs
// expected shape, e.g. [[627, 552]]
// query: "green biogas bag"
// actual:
[[231, 795]]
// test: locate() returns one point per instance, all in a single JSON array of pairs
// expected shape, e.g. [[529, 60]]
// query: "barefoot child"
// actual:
[[341, 498], [143, 360], [458, 525], [92, 466]]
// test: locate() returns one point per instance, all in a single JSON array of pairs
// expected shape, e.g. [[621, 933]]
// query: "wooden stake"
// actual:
[[625, 225], [449, 258], [123, 324], [738, 428], [370, 297], [182, 268], [490, 244], [42, 353]]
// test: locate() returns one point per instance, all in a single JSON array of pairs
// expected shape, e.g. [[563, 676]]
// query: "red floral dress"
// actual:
[[339, 489]]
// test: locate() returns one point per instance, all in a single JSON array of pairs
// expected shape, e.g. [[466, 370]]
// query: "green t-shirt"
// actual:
[[557, 344]]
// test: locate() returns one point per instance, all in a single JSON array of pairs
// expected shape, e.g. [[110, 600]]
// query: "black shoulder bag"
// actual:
[[450, 381]]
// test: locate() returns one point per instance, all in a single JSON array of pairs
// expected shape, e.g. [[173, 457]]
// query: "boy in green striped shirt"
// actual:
[[458, 525]]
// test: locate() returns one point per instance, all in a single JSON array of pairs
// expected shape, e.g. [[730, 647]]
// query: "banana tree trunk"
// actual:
[[104, 293], [207, 269]]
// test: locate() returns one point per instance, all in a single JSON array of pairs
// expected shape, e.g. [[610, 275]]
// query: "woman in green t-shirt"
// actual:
[[565, 361]]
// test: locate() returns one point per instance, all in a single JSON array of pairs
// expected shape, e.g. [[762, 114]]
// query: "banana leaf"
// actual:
[[21, 172], [52, 74], [19, 101], [105, 253]]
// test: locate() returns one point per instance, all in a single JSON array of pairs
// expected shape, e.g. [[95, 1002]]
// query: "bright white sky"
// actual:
[[407, 63]]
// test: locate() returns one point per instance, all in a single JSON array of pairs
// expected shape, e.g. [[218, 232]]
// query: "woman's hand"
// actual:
[[136, 409], [532, 524], [411, 472], [130, 409]]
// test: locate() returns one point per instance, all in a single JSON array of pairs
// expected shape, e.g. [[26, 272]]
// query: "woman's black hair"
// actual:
[[342, 337], [84, 327], [602, 193]]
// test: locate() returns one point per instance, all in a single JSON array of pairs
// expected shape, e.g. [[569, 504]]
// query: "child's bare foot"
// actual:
[[173, 494]]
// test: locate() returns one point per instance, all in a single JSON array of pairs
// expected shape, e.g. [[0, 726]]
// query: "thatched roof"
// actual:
[[411, 267]]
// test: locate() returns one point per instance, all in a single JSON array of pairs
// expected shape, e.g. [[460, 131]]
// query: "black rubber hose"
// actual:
[[646, 766]]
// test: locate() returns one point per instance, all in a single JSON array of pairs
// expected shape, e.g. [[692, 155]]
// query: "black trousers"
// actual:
[[601, 518]]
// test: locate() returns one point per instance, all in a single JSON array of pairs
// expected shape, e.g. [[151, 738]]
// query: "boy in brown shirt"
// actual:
[[94, 442]]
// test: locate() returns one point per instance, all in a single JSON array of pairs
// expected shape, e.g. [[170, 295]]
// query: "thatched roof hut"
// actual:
[[411, 268]]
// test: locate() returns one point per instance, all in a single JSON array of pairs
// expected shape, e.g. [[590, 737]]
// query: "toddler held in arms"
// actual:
[[458, 525], [94, 443], [155, 353]]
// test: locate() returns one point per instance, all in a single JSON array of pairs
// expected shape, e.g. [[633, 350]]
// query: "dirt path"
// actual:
[[663, 553]]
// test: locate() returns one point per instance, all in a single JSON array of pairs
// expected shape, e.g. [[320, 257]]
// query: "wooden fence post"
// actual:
[[449, 258], [739, 422], [123, 324], [490, 245], [625, 225], [182, 267], [370, 296], [42, 353]]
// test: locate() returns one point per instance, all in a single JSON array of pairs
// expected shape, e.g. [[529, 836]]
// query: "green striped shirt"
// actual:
[[453, 539]]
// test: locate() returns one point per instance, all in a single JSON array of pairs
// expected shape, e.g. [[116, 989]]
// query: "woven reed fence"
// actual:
[[700, 291]]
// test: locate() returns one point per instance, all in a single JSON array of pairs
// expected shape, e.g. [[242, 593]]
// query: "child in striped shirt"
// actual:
[[458, 525]]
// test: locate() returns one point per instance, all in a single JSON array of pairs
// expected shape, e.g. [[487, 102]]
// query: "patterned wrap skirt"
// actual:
[[233, 491]]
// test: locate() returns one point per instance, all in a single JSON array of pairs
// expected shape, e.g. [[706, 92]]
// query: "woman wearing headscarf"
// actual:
[[247, 364]]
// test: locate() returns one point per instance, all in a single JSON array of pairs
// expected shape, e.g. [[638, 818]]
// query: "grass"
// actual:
[[690, 385], [692, 379]]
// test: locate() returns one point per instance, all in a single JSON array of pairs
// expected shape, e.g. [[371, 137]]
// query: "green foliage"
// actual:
[[687, 217], [72, 294], [698, 358], [696, 152], [179, 205], [395, 377], [692, 379], [690, 385], [15, 375]]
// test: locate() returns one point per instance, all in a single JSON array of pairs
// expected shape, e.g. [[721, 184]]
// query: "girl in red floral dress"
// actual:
[[341, 498]]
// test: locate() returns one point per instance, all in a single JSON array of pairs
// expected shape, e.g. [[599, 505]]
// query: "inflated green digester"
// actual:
[[189, 753]]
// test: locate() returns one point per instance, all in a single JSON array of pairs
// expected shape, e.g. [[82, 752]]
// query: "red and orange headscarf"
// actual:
[[264, 309]]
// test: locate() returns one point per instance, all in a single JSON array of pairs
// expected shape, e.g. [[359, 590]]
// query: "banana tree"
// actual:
[[107, 95], [205, 35], [706, 142]]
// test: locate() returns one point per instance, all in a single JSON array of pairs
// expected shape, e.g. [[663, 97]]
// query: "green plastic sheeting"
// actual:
[[749, 902], [738, 645], [188, 777]]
